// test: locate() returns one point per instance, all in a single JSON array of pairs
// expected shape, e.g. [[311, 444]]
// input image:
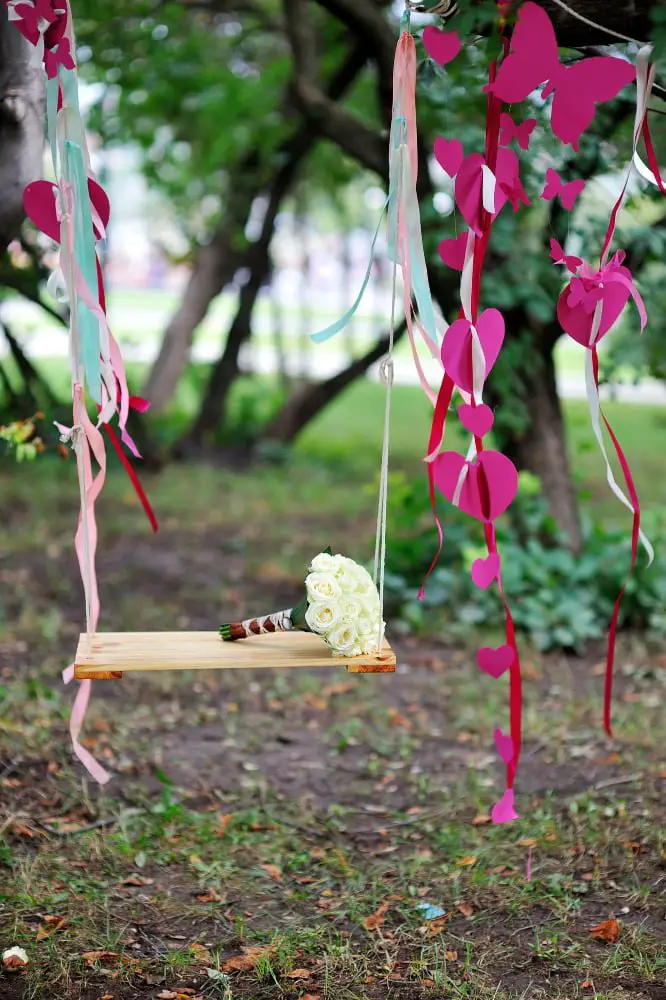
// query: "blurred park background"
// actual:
[[243, 144]]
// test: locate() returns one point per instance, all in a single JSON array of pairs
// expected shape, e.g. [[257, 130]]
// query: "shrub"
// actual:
[[559, 600]]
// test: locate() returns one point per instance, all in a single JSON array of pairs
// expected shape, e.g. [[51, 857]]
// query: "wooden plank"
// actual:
[[108, 655]]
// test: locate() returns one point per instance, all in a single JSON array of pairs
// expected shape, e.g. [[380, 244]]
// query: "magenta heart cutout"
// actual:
[[442, 46], [495, 662], [504, 811], [478, 420], [452, 252], [484, 571], [449, 154], [504, 745], [457, 346], [577, 321], [39, 201], [489, 486]]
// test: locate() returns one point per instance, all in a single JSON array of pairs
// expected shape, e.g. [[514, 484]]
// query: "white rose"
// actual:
[[351, 609], [322, 587], [343, 640], [323, 563], [322, 616], [347, 580]]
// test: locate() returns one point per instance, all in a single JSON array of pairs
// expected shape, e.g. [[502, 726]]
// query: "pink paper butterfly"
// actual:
[[510, 131], [558, 255], [577, 89], [60, 56], [555, 186]]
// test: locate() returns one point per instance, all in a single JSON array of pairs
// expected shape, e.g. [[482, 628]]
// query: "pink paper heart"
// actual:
[[576, 318], [484, 571], [504, 811], [469, 186], [478, 420], [449, 154], [495, 662], [457, 346], [504, 745], [442, 46], [489, 486], [39, 200], [452, 252]]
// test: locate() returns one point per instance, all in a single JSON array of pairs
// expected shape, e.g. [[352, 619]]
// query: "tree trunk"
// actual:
[[309, 400], [21, 126], [214, 267], [216, 264], [542, 450]]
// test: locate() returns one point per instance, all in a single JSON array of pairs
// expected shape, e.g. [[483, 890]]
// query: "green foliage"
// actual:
[[559, 600], [20, 438]]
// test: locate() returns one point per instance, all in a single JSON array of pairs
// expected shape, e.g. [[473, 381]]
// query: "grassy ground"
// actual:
[[281, 835]]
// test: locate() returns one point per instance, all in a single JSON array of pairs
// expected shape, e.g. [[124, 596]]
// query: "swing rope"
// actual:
[[386, 374]]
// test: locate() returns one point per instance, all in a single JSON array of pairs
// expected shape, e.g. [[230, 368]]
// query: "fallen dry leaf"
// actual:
[[435, 927], [247, 961], [528, 842], [107, 996], [21, 830], [587, 985], [50, 926], [634, 846], [482, 820], [90, 957], [451, 956], [466, 910], [210, 897], [273, 871], [201, 953], [399, 721], [299, 974], [466, 862], [167, 995], [376, 919], [428, 982], [607, 930], [137, 880], [223, 821], [310, 996]]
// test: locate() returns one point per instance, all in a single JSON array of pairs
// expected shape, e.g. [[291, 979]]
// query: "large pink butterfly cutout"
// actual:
[[555, 186], [534, 59]]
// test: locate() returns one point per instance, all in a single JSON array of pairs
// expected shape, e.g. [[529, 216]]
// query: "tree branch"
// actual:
[[329, 119]]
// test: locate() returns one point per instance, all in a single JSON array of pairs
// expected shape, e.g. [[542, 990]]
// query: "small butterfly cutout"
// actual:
[[555, 186], [510, 131]]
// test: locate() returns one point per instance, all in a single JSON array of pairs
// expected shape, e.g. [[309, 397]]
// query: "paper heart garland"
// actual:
[[442, 46], [456, 351], [504, 745], [449, 154], [478, 420], [575, 315], [469, 186], [489, 487], [39, 200], [495, 662], [504, 811], [452, 252], [484, 571]]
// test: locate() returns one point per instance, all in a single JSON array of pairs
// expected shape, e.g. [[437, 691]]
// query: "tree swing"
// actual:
[[482, 483]]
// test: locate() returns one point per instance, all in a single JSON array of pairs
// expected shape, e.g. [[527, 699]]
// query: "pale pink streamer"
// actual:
[[89, 442]]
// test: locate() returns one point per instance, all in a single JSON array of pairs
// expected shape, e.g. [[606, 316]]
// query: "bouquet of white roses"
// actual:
[[341, 604]]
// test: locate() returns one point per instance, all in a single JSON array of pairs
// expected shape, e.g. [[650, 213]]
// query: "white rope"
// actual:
[[386, 371], [593, 24]]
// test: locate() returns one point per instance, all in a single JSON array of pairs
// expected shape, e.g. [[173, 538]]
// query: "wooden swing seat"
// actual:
[[109, 655]]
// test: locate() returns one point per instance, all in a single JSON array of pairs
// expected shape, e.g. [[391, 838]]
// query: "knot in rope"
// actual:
[[386, 371]]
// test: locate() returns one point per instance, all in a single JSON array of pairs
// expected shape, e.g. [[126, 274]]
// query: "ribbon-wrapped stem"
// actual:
[[281, 621]]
